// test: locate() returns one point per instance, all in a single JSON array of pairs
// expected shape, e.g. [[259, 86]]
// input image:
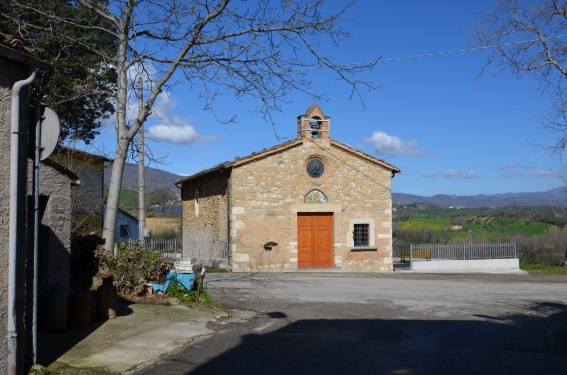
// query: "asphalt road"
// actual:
[[395, 323]]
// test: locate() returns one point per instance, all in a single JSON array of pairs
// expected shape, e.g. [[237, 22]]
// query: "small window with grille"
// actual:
[[360, 235]]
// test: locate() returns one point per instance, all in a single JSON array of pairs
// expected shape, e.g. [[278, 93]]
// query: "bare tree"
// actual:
[[528, 38], [162, 197], [262, 49]]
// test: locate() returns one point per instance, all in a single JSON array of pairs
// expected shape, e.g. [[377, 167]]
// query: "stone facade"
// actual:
[[205, 206], [88, 197], [265, 192]]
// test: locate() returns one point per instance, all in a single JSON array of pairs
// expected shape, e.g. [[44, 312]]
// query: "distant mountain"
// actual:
[[554, 197], [155, 178]]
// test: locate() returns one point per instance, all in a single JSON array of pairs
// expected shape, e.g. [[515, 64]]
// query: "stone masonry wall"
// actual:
[[267, 193], [55, 227], [204, 204]]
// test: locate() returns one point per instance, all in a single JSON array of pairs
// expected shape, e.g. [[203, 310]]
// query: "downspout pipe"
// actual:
[[13, 225], [36, 159]]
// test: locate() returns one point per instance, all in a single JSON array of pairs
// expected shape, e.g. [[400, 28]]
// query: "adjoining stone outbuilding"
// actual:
[[310, 203], [88, 196], [56, 183]]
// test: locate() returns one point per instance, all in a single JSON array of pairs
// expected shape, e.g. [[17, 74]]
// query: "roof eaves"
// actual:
[[204, 172], [239, 161], [61, 168], [127, 214], [76, 152], [20, 57], [266, 152]]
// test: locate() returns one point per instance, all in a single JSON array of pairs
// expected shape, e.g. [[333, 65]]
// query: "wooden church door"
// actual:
[[314, 240]]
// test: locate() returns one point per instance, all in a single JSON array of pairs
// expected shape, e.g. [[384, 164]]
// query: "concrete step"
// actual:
[[184, 264]]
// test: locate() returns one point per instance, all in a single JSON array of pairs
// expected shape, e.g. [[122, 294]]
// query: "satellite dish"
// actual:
[[50, 131]]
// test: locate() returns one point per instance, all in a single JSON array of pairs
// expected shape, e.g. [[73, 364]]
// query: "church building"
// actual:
[[309, 203]]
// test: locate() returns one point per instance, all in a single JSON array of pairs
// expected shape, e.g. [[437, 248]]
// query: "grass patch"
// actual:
[[430, 223], [162, 222], [59, 368], [129, 201], [543, 269], [211, 269], [529, 229], [175, 290]]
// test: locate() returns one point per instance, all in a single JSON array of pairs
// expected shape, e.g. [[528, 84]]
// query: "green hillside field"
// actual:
[[489, 224]]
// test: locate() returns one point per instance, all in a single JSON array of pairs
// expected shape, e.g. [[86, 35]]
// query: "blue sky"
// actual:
[[448, 130]]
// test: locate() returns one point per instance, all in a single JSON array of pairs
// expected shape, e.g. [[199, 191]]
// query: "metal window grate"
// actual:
[[360, 235], [124, 230]]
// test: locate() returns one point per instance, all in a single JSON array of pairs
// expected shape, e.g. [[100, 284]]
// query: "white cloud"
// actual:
[[172, 128], [173, 133], [511, 173], [515, 166], [456, 175], [521, 170], [385, 144], [429, 174], [146, 71], [543, 173], [451, 173]]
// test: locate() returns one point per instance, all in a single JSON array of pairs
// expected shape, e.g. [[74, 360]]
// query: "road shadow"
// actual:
[[51, 345], [508, 344]]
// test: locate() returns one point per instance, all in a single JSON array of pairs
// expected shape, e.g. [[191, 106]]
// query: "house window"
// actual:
[[124, 230], [360, 235]]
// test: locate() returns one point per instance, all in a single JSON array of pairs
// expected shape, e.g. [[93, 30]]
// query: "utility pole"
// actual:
[[141, 168]]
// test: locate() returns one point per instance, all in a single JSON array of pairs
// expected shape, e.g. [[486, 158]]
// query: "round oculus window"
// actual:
[[315, 168]]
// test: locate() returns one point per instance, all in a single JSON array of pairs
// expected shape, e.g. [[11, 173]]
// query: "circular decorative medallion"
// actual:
[[315, 168]]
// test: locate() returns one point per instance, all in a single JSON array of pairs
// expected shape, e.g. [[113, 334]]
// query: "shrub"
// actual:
[[166, 234], [547, 249], [133, 267]]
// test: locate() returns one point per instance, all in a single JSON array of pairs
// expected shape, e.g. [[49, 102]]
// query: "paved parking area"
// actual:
[[395, 323]]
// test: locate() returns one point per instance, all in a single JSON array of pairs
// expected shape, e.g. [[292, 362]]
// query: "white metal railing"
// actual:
[[165, 247], [205, 249], [188, 249], [460, 251]]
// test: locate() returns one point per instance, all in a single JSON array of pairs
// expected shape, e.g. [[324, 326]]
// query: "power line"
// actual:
[[463, 50]]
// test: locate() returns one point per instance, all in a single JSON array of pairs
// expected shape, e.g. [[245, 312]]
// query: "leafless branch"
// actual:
[[530, 36]]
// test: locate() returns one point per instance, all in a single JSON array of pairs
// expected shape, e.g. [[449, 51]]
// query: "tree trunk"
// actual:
[[121, 152], [114, 187]]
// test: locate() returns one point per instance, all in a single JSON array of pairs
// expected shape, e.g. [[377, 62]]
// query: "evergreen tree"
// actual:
[[80, 86]]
